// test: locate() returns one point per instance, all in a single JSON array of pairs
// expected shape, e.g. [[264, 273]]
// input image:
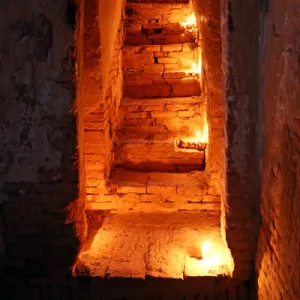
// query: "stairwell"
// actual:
[[159, 206]]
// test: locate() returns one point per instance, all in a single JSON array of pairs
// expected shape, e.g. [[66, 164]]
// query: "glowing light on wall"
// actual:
[[205, 249], [202, 136], [190, 21], [212, 259], [197, 66], [212, 262]]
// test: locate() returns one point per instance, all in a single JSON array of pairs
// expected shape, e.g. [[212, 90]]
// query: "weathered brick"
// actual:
[[185, 114], [163, 114], [167, 60], [163, 190], [172, 48]]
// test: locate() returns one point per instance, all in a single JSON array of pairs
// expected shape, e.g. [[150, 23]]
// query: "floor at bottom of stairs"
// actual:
[[161, 245]]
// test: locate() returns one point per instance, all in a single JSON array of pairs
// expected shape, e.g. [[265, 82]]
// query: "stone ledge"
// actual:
[[159, 245], [155, 152], [161, 192]]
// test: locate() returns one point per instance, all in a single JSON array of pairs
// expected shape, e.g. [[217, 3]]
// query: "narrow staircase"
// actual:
[[164, 207]]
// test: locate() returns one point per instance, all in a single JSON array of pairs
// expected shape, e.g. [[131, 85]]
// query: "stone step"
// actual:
[[182, 114], [148, 152], [134, 191], [158, 1], [149, 88], [161, 71], [129, 190], [157, 62], [163, 245], [159, 24]]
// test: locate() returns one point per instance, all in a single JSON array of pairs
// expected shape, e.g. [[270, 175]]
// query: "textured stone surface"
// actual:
[[157, 245], [278, 260], [161, 71], [158, 78], [156, 23], [156, 152], [145, 140], [167, 67], [97, 116], [240, 52], [159, 192], [38, 139]]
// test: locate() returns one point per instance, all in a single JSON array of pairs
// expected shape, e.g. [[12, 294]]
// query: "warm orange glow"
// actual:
[[190, 21], [209, 258], [197, 67], [213, 261], [205, 249], [202, 136]]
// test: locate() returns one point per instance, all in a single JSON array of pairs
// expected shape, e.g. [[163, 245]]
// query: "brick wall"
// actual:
[[278, 261], [230, 42], [38, 139], [97, 117], [240, 58]]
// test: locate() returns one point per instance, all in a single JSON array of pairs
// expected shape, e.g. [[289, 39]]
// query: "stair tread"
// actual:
[[161, 101], [186, 87], [158, 23], [136, 245], [129, 177], [156, 48], [159, 1], [151, 137]]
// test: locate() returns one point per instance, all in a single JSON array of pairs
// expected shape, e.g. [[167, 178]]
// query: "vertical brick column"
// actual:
[[96, 115], [240, 37]]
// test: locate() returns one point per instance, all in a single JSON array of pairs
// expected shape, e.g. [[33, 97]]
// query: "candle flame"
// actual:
[[190, 21], [206, 249], [202, 137], [210, 260], [197, 66]]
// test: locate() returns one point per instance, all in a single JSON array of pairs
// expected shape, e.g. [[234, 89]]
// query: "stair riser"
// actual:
[[160, 39], [148, 60], [141, 191], [177, 118], [152, 112], [143, 202], [162, 157], [162, 88], [158, 24], [158, 1], [162, 125]]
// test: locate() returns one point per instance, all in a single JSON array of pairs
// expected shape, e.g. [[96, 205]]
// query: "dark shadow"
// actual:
[[87, 288]]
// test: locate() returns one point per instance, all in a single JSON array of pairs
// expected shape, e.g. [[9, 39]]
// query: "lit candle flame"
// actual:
[[205, 249], [202, 137], [190, 21], [197, 66], [210, 260]]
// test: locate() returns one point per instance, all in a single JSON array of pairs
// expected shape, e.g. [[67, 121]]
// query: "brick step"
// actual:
[[148, 88], [158, 23], [182, 114], [158, 1], [157, 61], [135, 191], [156, 152], [163, 245]]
